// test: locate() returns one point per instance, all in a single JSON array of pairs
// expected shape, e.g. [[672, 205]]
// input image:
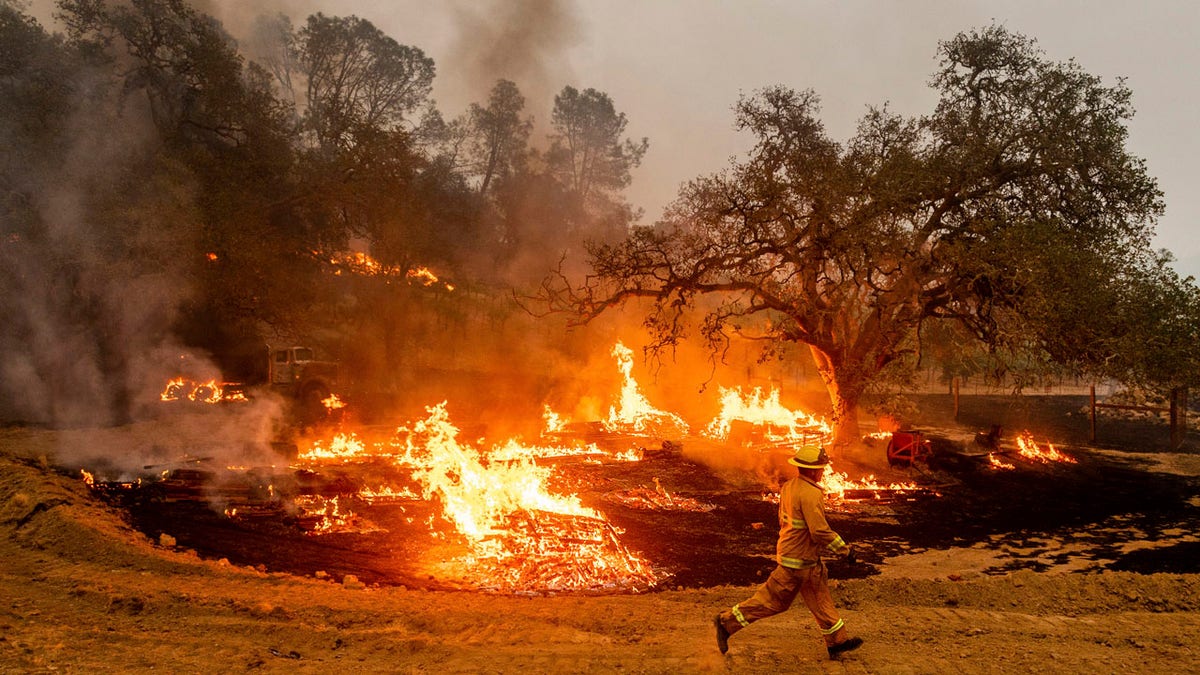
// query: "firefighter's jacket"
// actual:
[[803, 531]]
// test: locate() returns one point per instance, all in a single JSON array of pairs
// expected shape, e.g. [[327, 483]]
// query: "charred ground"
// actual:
[[701, 527]]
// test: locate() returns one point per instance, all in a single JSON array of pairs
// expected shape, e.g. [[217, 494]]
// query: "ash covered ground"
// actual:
[[701, 527]]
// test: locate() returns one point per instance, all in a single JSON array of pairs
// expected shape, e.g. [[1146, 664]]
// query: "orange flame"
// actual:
[[361, 264], [88, 478], [173, 390], [386, 493], [635, 412], [331, 517], [333, 402], [836, 484], [1029, 449], [180, 388], [514, 450], [998, 464], [421, 275], [553, 423], [518, 534], [510, 519], [208, 392], [778, 423], [342, 448]]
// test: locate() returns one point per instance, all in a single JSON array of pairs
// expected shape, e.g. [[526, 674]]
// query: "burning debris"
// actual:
[[513, 525], [774, 423], [634, 414], [658, 499], [999, 464], [342, 448], [1029, 449], [500, 515], [183, 389], [322, 515], [839, 487]]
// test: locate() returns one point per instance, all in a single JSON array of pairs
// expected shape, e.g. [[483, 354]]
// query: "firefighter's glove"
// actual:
[[848, 552]]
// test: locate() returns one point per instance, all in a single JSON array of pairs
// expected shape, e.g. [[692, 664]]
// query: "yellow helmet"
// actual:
[[809, 457]]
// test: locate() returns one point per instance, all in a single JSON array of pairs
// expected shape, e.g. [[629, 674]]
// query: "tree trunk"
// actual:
[[844, 392]]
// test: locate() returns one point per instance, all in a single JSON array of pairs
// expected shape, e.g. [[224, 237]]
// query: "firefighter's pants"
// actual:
[[778, 593]]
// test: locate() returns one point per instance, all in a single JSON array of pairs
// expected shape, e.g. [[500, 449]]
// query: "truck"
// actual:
[[297, 374]]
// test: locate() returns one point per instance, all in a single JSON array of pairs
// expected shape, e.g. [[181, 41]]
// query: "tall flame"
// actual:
[[634, 412]]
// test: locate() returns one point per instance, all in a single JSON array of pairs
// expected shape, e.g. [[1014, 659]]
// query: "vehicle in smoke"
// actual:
[[291, 372], [296, 373]]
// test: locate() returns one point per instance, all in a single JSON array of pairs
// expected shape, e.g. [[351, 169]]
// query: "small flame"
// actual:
[[421, 275], [361, 264], [333, 402], [212, 257], [514, 450], [630, 455], [836, 484], [554, 423], [1029, 449], [180, 388], [342, 448], [173, 390], [88, 479], [208, 392], [386, 493], [998, 464]]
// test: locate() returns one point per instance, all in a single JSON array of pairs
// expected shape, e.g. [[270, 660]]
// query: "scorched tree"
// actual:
[[1017, 181]]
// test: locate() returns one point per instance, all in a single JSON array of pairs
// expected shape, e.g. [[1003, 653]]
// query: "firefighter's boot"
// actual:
[[838, 647], [722, 634]]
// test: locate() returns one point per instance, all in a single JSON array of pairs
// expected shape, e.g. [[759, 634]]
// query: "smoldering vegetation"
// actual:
[[181, 194]]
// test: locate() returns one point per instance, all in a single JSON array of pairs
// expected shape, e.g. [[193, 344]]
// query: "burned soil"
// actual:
[[702, 527]]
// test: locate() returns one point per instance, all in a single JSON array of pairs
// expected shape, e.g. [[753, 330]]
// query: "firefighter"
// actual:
[[804, 535]]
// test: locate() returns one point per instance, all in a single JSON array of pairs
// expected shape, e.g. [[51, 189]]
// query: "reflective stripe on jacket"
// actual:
[[803, 531]]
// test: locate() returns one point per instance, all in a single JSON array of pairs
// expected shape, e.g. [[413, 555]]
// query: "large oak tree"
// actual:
[[1016, 192]]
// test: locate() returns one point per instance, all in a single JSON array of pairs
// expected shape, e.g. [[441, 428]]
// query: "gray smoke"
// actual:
[[94, 236], [519, 40]]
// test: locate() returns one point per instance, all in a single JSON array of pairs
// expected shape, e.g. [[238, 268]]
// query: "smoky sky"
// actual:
[[676, 67]]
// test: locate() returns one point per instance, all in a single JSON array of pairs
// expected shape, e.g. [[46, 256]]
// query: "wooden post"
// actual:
[[1183, 412], [1092, 416], [954, 388], [1178, 417]]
